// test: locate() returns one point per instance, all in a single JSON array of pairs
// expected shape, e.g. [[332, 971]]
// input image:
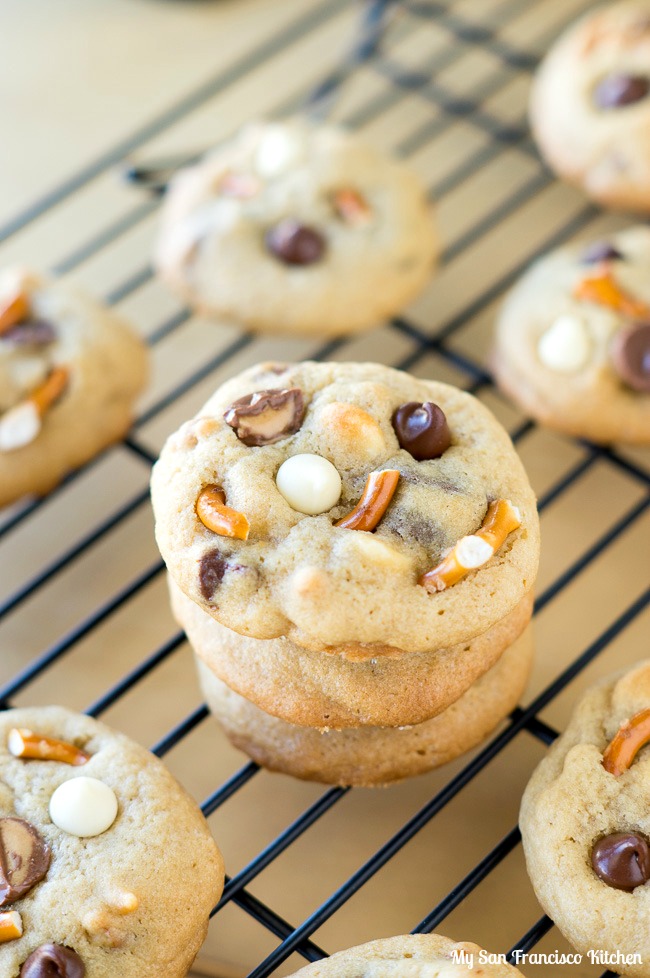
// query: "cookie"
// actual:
[[347, 507], [585, 822], [70, 370], [409, 957], [370, 756], [108, 866], [590, 105], [297, 228], [332, 690], [573, 339]]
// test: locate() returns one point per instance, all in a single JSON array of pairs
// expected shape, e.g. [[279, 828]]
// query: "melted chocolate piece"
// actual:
[[31, 332], [630, 352], [53, 961], [265, 417], [618, 90], [622, 860], [24, 859], [295, 243], [600, 251], [422, 429], [211, 570]]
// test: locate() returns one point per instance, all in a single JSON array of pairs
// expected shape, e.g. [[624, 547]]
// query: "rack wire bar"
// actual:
[[400, 82]]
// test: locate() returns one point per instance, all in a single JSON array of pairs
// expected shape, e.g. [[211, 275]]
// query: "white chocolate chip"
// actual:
[[280, 149], [472, 552], [19, 426], [565, 346], [83, 806], [309, 483]]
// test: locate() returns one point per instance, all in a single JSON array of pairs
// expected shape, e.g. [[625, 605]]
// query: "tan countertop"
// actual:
[[81, 85]]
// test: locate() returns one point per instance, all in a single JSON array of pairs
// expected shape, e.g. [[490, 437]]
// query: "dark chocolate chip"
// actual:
[[617, 90], [622, 860], [265, 417], [600, 251], [53, 961], [211, 570], [295, 243], [630, 352], [422, 429], [24, 859]]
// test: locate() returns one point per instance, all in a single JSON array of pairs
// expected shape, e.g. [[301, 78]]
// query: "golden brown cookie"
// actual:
[[590, 105], [70, 370], [333, 690], [108, 865], [297, 228], [412, 956], [369, 756], [347, 506], [585, 823]]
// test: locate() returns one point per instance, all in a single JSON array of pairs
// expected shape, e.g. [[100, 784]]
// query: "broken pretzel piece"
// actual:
[[21, 424], [377, 494], [352, 207], [475, 550], [604, 290], [11, 926], [631, 737], [211, 509], [14, 311], [27, 744]]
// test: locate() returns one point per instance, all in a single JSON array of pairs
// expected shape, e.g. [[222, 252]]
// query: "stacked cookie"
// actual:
[[352, 553]]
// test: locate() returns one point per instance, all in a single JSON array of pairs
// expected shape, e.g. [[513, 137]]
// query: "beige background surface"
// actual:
[[77, 80]]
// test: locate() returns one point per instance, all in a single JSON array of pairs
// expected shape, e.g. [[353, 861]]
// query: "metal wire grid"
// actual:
[[404, 80]]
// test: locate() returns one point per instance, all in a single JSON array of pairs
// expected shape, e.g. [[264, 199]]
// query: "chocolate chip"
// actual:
[[267, 416], [24, 859], [53, 961], [211, 570], [422, 429], [622, 860], [295, 243], [600, 251], [630, 352], [615, 91]]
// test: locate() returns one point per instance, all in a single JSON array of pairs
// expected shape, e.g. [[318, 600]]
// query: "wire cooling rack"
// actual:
[[81, 579]]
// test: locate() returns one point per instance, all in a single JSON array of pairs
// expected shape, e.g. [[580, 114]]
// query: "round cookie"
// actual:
[[371, 756], [411, 956], [585, 823], [327, 586], [297, 228], [573, 339], [590, 105], [332, 691], [110, 864], [70, 370]]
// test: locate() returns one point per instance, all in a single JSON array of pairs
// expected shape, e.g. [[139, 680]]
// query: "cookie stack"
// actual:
[[352, 552]]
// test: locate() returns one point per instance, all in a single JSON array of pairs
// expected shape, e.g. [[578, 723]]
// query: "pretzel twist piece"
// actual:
[[211, 509], [475, 550], [631, 737], [604, 290], [379, 490]]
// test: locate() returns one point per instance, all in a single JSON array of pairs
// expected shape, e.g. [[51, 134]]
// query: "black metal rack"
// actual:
[[498, 135]]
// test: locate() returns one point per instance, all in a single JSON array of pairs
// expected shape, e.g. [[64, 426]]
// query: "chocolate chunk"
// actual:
[[630, 352], [24, 859], [622, 860], [295, 243], [264, 417], [53, 961], [422, 429], [32, 332], [600, 251], [211, 570], [615, 91]]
